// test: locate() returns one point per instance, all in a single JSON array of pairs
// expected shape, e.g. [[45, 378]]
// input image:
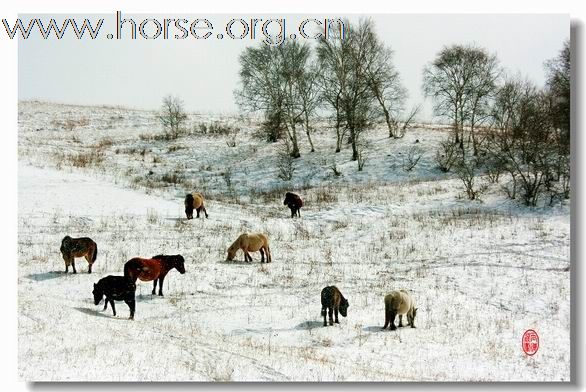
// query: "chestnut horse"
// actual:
[[78, 247], [252, 242], [153, 269]]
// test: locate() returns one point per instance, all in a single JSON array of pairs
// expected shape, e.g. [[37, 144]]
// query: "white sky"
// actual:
[[204, 73]]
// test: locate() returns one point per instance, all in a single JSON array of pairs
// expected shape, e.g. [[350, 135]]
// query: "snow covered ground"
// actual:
[[481, 272]]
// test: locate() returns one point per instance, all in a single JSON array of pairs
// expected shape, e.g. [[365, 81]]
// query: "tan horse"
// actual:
[[78, 247], [251, 242], [194, 202], [399, 302]]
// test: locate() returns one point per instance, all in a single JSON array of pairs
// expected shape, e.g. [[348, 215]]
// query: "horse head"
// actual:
[[344, 307], [98, 294], [288, 197], [179, 263], [232, 251]]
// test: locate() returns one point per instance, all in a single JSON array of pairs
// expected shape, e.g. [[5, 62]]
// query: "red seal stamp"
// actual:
[[530, 342]]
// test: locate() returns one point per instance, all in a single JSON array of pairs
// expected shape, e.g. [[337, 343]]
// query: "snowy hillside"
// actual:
[[481, 272]]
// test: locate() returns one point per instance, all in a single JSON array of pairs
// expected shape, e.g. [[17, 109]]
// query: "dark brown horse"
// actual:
[[115, 288], [294, 203], [194, 201], [153, 269], [333, 301], [78, 247]]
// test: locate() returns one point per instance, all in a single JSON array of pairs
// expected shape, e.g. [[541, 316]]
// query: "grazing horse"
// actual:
[[399, 302], [78, 247], [194, 202], [332, 300], [294, 203], [115, 288], [251, 242], [154, 269]]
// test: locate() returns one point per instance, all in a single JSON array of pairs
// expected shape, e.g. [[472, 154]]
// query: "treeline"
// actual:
[[351, 78], [501, 123]]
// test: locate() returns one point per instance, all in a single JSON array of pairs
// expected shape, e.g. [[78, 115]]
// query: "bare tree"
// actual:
[[277, 81], [262, 87], [558, 83], [523, 140], [460, 81], [385, 83], [172, 115], [346, 60]]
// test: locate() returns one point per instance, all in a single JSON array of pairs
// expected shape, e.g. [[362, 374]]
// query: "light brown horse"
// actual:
[[399, 302], [194, 202], [78, 247], [153, 269], [251, 242]]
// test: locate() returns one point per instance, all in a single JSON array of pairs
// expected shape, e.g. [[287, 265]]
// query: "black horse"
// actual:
[[333, 301], [294, 203], [115, 288]]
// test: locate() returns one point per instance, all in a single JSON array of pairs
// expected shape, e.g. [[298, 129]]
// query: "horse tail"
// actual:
[[95, 255]]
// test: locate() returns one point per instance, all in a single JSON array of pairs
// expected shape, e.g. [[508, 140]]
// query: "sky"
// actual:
[[204, 72]]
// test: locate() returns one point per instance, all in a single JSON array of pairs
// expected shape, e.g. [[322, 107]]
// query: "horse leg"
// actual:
[[392, 320], [324, 312], [336, 314], [131, 304], [299, 212], [198, 210], [292, 212], [155, 286], [88, 258], [387, 318], [269, 257], [112, 306], [330, 311], [205, 212], [73, 265], [262, 255], [400, 321], [105, 304], [161, 279], [247, 256], [67, 263]]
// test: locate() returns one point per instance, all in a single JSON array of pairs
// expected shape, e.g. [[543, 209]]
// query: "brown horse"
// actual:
[[194, 202], [153, 269], [78, 247], [294, 203], [332, 300], [252, 242]]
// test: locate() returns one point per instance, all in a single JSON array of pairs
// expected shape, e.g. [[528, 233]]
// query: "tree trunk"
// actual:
[[354, 144], [294, 146], [308, 132]]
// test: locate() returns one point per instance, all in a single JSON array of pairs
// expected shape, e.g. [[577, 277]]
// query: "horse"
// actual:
[[399, 302], [115, 288], [251, 242], [154, 269], [294, 203], [332, 300], [194, 202], [78, 247]]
